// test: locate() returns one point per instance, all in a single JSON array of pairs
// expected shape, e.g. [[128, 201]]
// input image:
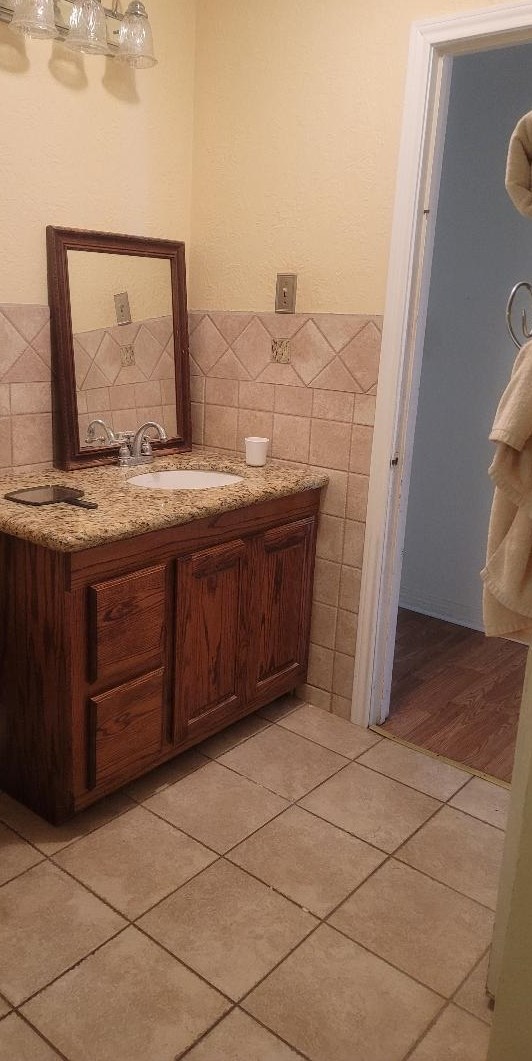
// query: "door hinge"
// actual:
[[394, 461]]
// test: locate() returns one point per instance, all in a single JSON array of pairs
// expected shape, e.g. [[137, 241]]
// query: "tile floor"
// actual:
[[295, 887]]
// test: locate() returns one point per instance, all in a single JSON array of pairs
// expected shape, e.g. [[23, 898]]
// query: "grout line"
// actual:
[[471, 770], [426, 1031], [42, 1036]]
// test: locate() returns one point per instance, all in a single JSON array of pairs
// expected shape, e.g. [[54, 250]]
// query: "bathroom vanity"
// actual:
[[134, 631]]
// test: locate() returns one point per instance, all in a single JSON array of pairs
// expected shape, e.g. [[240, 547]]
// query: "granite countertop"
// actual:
[[125, 511]]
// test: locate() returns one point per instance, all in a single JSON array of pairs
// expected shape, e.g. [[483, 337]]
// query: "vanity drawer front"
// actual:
[[127, 624], [126, 730]]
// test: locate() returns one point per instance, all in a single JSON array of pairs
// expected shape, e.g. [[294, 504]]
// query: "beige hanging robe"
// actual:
[[507, 575]]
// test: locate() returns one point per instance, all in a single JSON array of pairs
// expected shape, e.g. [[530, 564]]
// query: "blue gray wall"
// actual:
[[482, 247]]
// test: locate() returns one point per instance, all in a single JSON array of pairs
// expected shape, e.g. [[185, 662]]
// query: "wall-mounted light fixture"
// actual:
[[86, 26]]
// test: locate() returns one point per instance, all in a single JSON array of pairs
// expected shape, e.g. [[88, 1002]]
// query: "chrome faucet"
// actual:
[[136, 449], [93, 437]]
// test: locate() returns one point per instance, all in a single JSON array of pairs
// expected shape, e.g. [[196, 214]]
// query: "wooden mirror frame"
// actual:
[[68, 453]]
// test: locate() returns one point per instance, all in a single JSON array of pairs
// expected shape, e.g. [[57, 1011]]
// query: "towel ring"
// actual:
[[527, 334]]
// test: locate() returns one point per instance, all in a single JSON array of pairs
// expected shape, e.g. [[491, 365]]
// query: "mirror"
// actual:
[[119, 343]]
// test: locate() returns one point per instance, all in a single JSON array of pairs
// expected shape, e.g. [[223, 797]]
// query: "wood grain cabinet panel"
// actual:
[[210, 637], [126, 624], [116, 658], [281, 579], [126, 730]]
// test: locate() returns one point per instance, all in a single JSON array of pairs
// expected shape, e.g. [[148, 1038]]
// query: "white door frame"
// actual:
[[432, 46]]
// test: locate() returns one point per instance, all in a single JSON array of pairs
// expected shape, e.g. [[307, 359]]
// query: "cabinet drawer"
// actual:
[[127, 624], [126, 730]]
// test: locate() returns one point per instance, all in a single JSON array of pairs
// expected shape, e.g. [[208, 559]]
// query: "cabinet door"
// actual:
[[281, 584], [210, 638]]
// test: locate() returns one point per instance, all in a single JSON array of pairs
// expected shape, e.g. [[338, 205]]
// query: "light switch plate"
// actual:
[[285, 293], [123, 312]]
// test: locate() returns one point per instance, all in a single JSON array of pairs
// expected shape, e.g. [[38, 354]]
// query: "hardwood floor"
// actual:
[[456, 692]]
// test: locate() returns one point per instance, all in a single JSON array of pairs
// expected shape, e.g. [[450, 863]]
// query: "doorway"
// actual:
[[433, 46]]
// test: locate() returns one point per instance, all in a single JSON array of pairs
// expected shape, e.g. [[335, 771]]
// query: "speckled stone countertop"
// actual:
[[125, 511]]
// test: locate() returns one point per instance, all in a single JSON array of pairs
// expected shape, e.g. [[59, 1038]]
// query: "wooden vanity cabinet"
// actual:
[[116, 658]]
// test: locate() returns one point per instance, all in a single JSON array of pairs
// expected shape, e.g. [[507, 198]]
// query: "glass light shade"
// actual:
[[135, 39], [34, 18], [88, 29]]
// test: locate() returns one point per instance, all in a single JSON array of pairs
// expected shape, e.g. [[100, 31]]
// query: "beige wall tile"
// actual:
[[149, 412], [296, 401], [334, 494], [29, 368], [319, 697], [31, 398], [283, 325], [364, 409], [323, 625], [326, 581], [32, 438], [333, 405], [335, 377], [361, 443], [310, 352], [320, 667], [291, 437], [197, 388], [231, 325], [330, 538], [357, 497], [98, 399], [123, 397], [354, 543], [341, 706], [207, 345], [361, 356], [329, 444], [344, 669], [198, 417], [253, 422], [350, 580], [339, 328], [5, 442], [5, 404], [220, 426], [221, 391], [254, 348], [256, 396], [148, 393], [346, 632], [229, 367]]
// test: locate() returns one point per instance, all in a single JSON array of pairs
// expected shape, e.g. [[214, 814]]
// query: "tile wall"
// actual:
[[318, 411]]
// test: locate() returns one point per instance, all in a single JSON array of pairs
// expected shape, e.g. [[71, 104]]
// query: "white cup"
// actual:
[[256, 450]]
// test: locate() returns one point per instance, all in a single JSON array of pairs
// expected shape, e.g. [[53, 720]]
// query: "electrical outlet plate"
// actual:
[[281, 351]]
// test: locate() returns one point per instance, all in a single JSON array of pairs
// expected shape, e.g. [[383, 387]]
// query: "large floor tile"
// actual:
[[419, 925], [336, 1002], [371, 806], [216, 806], [229, 927], [460, 851], [15, 855], [420, 771], [228, 738], [128, 1002], [307, 859], [484, 800], [47, 922], [135, 861], [472, 995], [19, 1043], [239, 1038], [51, 838], [329, 730], [283, 762], [455, 1037], [165, 775], [4, 1007], [284, 705]]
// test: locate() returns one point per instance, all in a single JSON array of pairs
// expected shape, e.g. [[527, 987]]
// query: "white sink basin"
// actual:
[[184, 480]]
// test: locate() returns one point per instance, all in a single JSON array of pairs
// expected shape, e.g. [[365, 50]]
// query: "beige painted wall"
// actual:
[[297, 122], [95, 278], [87, 143]]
